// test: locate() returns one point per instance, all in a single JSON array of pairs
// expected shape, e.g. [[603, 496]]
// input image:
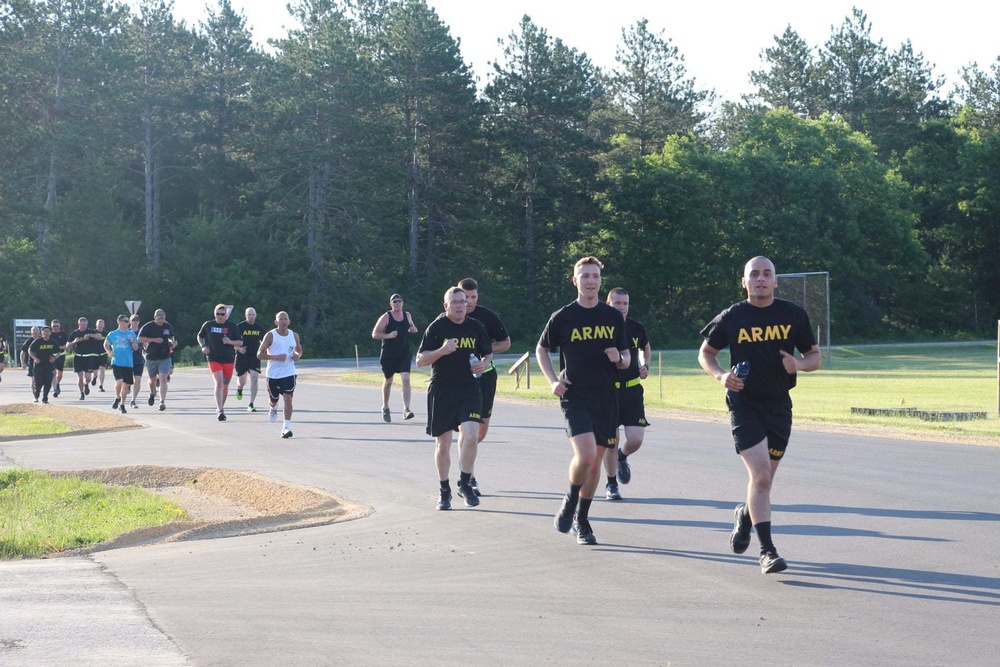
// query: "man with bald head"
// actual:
[[247, 363], [765, 332], [280, 348]]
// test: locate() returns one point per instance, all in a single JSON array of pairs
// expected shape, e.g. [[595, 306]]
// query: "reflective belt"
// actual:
[[634, 382]]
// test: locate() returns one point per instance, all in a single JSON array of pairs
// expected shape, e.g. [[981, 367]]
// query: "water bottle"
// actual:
[[742, 371], [473, 360]]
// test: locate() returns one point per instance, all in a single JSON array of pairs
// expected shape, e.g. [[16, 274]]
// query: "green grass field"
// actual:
[[960, 377], [41, 514], [28, 425]]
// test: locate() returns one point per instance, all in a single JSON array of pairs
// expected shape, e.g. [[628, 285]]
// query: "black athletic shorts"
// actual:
[[394, 365], [102, 360], [82, 364], [278, 386], [123, 373], [631, 407], [245, 363], [488, 388], [592, 411], [754, 420], [60, 363], [137, 370], [450, 407]]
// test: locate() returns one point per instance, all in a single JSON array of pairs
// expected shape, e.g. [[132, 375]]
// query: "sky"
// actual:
[[721, 41]]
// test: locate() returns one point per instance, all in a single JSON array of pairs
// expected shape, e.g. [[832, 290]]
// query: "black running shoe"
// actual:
[[386, 416], [133, 405], [771, 562], [287, 433], [740, 539], [86, 390], [101, 388], [114, 406], [564, 518], [584, 533], [475, 486], [466, 491], [611, 492], [82, 396], [222, 416], [56, 393], [122, 408], [94, 381], [445, 502], [152, 399], [407, 415], [624, 471]]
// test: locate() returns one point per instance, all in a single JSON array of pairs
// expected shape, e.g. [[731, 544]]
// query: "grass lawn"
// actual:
[[41, 514], [27, 425], [960, 377]]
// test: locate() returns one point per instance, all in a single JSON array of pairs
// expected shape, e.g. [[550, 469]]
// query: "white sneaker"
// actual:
[[272, 415]]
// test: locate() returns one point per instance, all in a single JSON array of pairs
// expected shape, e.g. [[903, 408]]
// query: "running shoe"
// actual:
[[86, 390], [272, 415], [122, 408], [385, 415], [624, 471], [771, 562], [163, 406], [82, 396], [36, 399], [611, 492], [152, 399], [564, 517], [475, 486], [45, 401], [114, 406], [286, 433], [222, 416], [251, 408], [407, 414], [101, 388], [740, 539], [239, 393], [133, 405], [56, 393], [466, 491], [93, 381], [444, 503], [584, 533]]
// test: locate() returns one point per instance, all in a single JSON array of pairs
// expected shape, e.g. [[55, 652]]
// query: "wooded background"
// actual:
[[142, 158]]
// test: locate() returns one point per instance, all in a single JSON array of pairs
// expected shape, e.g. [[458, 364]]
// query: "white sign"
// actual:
[[133, 306]]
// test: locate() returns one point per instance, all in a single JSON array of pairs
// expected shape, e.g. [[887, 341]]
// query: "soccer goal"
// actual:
[[812, 292]]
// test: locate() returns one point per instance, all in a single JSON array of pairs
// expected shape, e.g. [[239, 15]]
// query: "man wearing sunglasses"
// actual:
[[219, 339]]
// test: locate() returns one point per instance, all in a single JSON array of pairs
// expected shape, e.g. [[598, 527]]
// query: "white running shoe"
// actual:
[[272, 415]]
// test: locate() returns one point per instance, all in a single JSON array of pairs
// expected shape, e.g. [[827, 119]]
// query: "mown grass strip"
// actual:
[[41, 514], [29, 425], [947, 377]]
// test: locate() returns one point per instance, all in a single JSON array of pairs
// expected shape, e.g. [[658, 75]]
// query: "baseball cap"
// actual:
[[395, 297]]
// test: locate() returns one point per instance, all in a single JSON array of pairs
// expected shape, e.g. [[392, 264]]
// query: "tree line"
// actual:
[[359, 155]]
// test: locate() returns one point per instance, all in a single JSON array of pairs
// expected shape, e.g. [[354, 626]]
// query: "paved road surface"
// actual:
[[892, 549]]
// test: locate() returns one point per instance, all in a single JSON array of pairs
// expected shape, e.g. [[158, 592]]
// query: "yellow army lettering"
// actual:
[[469, 343], [474, 415], [592, 333], [761, 334]]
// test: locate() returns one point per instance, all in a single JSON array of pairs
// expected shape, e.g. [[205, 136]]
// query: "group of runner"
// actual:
[[603, 356], [134, 348]]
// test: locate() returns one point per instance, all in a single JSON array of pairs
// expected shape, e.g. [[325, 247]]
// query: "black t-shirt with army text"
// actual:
[[44, 350], [637, 340], [251, 334], [758, 335], [581, 335], [453, 370]]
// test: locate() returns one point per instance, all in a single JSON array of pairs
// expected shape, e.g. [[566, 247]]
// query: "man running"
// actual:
[[281, 348], [138, 360], [121, 344], [593, 347], [500, 340], [247, 363], [457, 349], [27, 361], [61, 339], [765, 332], [218, 340], [102, 357], [631, 407], [393, 328], [86, 345], [44, 351], [158, 336]]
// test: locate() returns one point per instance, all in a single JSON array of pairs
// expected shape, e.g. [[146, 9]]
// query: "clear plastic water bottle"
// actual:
[[473, 360], [742, 371]]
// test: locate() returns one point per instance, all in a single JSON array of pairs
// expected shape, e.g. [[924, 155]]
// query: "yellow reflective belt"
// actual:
[[631, 383]]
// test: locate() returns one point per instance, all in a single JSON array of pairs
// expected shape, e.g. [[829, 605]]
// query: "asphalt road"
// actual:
[[892, 550]]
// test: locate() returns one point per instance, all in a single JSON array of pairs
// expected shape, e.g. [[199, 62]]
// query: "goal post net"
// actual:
[[812, 292]]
